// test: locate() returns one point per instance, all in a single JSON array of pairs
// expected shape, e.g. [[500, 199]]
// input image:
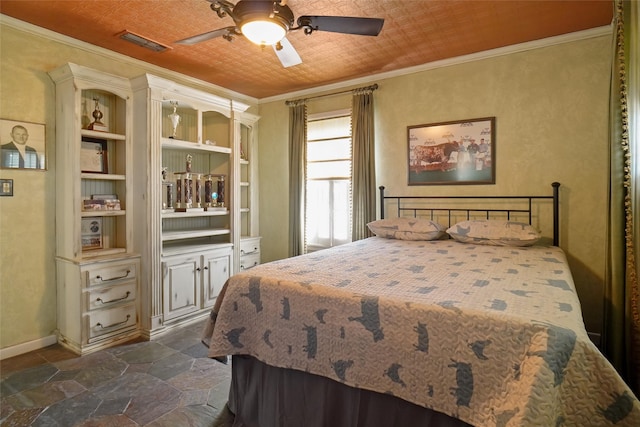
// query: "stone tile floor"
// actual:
[[167, 382]]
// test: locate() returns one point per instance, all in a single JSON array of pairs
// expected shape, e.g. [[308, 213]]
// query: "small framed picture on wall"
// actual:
[[22, 145]]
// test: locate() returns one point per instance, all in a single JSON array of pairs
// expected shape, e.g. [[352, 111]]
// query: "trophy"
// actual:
[[184, 194], [167, 203], [167, 196], [211, 196], [175, 119], [97, 119], [188, 189], [208, 191], [221, 190], [197, 180]]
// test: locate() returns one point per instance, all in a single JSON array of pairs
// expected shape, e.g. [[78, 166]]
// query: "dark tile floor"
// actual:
[[167, 382]]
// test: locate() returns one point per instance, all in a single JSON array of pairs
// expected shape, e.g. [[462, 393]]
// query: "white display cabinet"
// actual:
[[248, 251], [94, 210], [188, 235], [201, 145]]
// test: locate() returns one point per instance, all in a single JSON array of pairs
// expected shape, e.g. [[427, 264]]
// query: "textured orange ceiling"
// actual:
[[414, 33]]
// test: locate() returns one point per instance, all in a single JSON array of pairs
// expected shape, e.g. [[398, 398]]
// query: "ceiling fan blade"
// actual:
[[206, 36], [342, 24], [286, 53]]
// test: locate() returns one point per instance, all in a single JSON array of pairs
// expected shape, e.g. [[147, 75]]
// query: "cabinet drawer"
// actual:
[[110, 321], [249, 261], [110, 296], [111, 274], [249, 246]]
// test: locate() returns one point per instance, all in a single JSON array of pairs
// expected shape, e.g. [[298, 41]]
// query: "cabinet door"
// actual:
[[181, 286], [217, 267]]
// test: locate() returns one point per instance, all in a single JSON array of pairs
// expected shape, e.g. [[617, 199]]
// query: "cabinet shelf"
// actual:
[[102, 135], [177, 144], [86, 214], [177, 215], [103, 176], [193, 234], [95, 253], [181, 248]]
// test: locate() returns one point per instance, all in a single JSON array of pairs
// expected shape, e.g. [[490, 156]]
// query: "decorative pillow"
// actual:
[[494, 232], [406, 229]]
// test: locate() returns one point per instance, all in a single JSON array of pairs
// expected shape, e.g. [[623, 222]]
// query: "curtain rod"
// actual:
[[357, 90]]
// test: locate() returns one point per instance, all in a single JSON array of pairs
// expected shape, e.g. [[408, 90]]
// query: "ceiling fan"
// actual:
[[267, 22]]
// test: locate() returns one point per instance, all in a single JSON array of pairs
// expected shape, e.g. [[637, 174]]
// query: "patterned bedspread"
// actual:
[[490, 335]]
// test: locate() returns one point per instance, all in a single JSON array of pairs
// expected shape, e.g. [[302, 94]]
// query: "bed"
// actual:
[[435, 321]]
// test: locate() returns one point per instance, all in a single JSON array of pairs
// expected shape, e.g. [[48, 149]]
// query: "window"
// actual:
[[328, 192]]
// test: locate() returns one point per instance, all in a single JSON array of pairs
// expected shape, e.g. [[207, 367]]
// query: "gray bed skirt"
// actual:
[[265, 396]]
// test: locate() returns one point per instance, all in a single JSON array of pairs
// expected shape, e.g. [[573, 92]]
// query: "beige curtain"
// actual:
[[363, 168], [297, 175], [621, 332]]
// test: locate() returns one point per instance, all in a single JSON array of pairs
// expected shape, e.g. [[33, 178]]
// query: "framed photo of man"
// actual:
[[22, 145]]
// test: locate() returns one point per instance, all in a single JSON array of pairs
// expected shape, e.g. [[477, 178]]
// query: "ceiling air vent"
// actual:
[[143, 41]]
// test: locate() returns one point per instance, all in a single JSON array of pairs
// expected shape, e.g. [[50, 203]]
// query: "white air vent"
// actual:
[[143, 41]]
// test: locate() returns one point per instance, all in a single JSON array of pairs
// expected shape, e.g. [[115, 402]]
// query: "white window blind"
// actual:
[[328, 219]]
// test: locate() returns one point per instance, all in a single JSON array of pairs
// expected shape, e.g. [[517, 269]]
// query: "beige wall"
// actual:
[[551, 109], [550, 106]]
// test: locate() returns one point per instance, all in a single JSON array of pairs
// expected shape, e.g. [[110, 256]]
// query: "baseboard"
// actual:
[[169, 326], [26, 347]]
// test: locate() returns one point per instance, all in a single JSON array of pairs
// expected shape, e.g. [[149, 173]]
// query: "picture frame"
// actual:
[[453, 152], [6, 187], [93, 155], [22, 145], [91, 233]]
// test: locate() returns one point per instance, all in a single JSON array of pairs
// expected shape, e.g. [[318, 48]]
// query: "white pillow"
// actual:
[[494, 232], [406, 229]]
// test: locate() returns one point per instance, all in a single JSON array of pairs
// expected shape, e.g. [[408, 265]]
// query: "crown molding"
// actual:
[[164, 72], [506, 50], [109, 54]]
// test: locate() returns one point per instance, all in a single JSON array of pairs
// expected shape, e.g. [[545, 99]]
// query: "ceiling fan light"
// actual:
[[263, 32]]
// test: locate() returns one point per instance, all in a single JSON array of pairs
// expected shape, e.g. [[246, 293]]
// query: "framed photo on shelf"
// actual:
[[93, 155], [456, 152], [91, 233], [22, 145]]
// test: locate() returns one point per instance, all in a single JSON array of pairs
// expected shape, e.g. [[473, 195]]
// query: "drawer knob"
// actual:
[[114, 324], [113, 278], [114, 300]]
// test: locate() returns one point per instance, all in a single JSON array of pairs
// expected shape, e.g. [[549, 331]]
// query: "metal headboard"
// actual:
[[403, 204]]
